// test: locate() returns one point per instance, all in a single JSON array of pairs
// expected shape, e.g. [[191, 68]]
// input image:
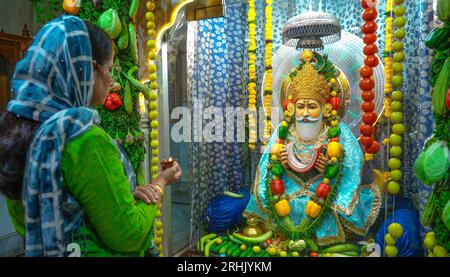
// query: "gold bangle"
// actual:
[[160, 190]]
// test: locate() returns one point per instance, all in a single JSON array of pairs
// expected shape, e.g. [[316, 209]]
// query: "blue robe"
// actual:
[[355, 208]]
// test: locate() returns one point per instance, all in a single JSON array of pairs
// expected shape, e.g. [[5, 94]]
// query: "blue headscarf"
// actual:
[[53, 85]]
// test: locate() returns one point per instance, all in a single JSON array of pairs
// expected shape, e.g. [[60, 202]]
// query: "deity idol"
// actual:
[[308, 183]]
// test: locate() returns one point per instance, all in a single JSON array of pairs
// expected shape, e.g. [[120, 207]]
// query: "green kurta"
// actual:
[[94, 175]]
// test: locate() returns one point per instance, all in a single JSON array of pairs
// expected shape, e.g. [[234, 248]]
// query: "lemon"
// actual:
[[150, 16], [397, 46], [395, 151], [152, 96], [396, 175], [153, 115], [397, 67], [395, 139], [396, 117], [256, 249], [391, 251], [150, 5], [394, 163], [243, 247], [154, 124], [295, 254], [154, 85], [440, 251], [219, 241], [398, 129], [153, 77], [159, 232], [153, 106], [396, 106], [158, 224], [157, 240], [155, 161], [393, 187], [430, 242], [389, 240], [272, 251], [155, 152], [158, 213], [155, 169], [400, 34], [430, 234], [154, 144], [283, 254], [399, 57], [400, 22], [151, 68], [154, 134], [396, 230], [431, 254], [397, 95]]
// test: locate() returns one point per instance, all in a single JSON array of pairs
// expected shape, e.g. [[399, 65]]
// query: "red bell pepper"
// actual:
[[277, 187], [113, 101], [323, 190]]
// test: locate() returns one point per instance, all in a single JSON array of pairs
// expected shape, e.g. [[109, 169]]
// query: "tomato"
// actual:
[[368, 95], [313, 254], [371, 60], [447, 100], [366, 71], [369, 27], [372, 149], [367, 141], [366, 83], [335, 102], [370, 38], [370, 14], [370, 49], [368, 106], [370, 118], [366, 130]]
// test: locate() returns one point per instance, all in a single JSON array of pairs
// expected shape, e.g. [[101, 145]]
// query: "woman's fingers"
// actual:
[[142, 196]]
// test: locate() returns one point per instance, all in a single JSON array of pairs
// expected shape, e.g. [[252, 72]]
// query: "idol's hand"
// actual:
[[284, 157], [149, 194], [321, 163]]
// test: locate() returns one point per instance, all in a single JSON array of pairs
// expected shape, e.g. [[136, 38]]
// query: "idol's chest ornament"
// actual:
[[302, 156]]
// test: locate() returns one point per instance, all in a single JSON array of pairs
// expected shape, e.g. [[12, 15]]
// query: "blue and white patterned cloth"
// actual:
[[53, 85]]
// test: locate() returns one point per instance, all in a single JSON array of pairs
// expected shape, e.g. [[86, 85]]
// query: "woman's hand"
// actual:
[[149, 194], [169, 175], [321, 163]]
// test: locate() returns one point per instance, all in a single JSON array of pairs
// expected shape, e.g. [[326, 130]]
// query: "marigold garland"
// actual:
[[396, 116], [153, 113], [268, 81], [252, 74]]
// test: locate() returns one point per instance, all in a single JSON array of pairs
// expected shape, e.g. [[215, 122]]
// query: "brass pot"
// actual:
[[252, 229]]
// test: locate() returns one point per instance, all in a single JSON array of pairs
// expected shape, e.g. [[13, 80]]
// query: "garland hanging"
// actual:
[[388, 59], [367, 83], [396, 116], [252, 74], [268, 81], [153, 112], [395, 231]]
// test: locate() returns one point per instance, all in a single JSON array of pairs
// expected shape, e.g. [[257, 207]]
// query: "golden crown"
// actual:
[[307, 82]]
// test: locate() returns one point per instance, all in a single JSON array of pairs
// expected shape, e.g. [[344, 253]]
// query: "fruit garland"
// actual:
[[252, 74], [395, 231], [318, 206], [396, 117], [153, 112], [268, 81], [367, 83]]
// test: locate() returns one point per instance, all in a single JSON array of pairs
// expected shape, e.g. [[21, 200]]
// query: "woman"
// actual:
[[78, 185]]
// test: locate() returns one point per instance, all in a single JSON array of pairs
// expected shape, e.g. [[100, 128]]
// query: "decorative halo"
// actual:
[[347, 56]]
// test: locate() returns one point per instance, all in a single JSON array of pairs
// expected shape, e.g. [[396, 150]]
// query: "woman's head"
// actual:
[[66, 59], [102, 59]]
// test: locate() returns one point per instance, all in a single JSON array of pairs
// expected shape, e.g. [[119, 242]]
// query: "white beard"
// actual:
[[308, 131]]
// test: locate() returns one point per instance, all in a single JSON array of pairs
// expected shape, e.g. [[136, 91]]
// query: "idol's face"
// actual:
[[308, 110]]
